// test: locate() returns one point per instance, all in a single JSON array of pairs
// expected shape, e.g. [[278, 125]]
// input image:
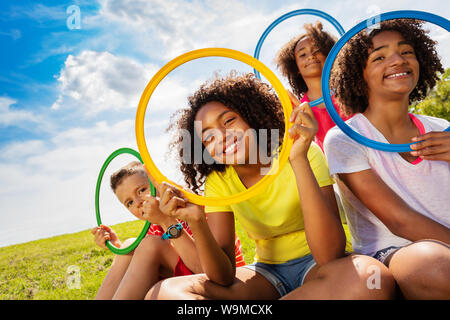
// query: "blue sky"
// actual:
[[68, 97], [36, 42]]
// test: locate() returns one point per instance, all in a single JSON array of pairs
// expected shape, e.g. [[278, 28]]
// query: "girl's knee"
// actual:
[[127, 243], [177, 288], [422, 260], [364, 276], [429, 250], [122, 260], [422, 270], [151, 245], [167, 289], [154, 291], [374, 274]]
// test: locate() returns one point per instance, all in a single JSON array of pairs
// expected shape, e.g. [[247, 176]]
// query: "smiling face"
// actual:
[[309, 59], [392, 69], [130, 192], [224, 133]]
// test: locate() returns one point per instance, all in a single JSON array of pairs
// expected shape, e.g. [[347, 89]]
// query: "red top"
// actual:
[[180, 268], [421, 128], [324, 120]]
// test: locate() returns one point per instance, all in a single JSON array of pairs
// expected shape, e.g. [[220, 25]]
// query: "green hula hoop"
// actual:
[[141, 236]]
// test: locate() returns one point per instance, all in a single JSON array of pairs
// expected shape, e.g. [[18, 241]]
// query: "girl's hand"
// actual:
[[432, 146], [151, 211], [103, 233], [172, 203], [294, 100], [304, 129]]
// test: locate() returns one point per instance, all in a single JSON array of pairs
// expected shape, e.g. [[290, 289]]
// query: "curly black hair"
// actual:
[[285, 58], [254, 100], [347, 73]]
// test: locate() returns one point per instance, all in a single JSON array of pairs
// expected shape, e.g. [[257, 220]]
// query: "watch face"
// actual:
[[173, 232]]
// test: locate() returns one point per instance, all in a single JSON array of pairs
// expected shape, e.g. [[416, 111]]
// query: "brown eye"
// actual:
[[378, 58], [228, 121]]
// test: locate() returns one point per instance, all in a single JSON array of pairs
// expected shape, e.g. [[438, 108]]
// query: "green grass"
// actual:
[[40, 269]]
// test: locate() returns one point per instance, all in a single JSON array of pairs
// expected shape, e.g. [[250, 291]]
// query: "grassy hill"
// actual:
[[41, 269]]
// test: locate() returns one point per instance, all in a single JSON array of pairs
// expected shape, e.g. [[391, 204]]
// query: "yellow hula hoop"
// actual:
[[215, 52]]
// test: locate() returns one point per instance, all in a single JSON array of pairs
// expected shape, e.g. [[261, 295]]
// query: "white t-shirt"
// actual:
[[424, 186]]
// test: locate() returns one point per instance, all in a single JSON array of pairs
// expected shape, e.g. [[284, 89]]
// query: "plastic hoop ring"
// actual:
[[288, 15], [403, 14], [111, 247], [227, 53]]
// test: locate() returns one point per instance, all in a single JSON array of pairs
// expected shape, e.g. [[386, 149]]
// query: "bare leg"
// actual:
[[422, 270], [115, 274], [248, 284], [352, 277], [152, 258]]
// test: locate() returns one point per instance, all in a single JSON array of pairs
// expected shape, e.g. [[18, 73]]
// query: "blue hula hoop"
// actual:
[[403, 14], [288, 15]]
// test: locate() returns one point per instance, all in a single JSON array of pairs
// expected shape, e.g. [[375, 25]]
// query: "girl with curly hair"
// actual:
[[395, 202], [294, 222], [301, 61]]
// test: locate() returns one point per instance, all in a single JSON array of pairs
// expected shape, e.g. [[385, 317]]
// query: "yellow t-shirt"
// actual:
[[273, 218]]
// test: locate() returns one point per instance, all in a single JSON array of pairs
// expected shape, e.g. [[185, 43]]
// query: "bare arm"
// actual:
[[183, 245], [214, 239], [395, 213], [323, 228], [216, 247]]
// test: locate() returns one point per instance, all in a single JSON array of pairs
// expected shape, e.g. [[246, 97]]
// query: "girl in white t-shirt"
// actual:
[[395, 202]]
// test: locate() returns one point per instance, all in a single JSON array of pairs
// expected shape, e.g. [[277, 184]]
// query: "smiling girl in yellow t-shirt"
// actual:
[[294, 222]]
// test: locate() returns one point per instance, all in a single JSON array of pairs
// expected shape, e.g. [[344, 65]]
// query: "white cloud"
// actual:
[[38, 12], [94, 82], [162, 30], [165, 29], [49, 51], [9, 116], [15, 34], [53, 184], [49, 189], [97, 81], [24, 149]]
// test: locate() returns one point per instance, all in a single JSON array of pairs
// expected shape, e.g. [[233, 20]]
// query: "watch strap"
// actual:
[[167, 234]]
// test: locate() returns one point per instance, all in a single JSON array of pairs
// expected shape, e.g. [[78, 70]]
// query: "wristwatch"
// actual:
[[173, 232]]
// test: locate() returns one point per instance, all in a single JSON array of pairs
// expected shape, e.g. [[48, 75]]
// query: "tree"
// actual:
[[437, 103]]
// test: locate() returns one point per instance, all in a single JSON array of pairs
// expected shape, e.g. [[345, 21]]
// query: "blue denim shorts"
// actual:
[[287, 276], [382, 254]]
